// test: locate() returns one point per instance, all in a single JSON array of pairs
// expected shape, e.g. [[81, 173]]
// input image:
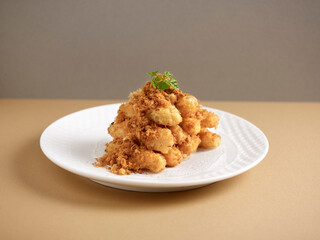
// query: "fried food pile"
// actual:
[[157, 129]]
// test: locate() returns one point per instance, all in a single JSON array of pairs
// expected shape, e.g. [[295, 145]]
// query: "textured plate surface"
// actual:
[[74, 141]]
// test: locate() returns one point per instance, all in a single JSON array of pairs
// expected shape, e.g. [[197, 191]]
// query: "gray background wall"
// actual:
[[218, 50]]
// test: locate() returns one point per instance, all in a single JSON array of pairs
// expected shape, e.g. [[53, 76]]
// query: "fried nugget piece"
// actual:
[[173, 157], [165, 116], [149, 160], [191, 125], [158, 139], [119, 130], [187, 105], [190, 145], [178, 134], [173, 98], [153, 137], [208, 139], [124, 156], [209, 119], [128, 110]]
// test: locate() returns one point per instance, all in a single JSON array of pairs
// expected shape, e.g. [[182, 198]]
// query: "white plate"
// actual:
[[74, 141]]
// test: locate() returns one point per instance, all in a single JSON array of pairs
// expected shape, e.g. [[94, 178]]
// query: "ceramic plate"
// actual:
[[74, 141]]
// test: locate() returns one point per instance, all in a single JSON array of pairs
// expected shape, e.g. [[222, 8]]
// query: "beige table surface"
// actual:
[[278, 199]]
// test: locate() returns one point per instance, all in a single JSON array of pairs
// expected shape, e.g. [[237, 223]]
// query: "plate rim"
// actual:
[[144, 182]]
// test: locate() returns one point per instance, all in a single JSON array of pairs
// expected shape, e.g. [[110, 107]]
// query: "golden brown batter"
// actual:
[[157, 128]]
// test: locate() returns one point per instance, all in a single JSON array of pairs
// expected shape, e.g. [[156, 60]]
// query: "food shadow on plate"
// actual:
[[39, 175]]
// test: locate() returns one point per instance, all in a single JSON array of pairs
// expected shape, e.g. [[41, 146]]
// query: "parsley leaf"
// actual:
[[163, 81], [167, 74], [152, 74]]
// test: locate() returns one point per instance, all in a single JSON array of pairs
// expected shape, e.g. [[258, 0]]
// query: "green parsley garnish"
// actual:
[[163, 81]]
